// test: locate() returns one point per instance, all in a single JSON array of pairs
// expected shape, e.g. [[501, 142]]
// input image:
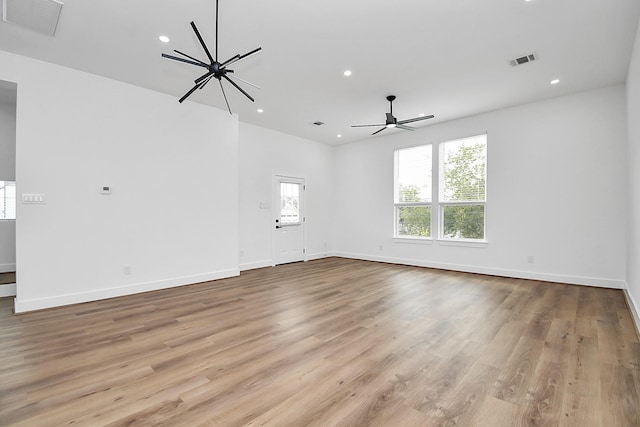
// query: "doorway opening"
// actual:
[[8, 102]]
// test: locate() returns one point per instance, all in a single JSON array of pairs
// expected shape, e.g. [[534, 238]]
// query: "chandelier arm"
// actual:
[[239, 88], [225, 97], [204, 46], [186, 95], [175, 58], [202, 64]]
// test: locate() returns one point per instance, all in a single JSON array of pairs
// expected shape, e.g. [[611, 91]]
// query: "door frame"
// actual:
[[275, 214]]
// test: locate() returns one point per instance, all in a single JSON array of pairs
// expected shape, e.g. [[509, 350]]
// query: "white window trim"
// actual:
[[437, 206]]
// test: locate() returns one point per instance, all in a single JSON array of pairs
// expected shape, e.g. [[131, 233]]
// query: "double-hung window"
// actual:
[[450, 205], [463, 188], [413, 192]]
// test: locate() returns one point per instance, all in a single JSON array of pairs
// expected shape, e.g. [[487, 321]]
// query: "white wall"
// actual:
[[556, 191], [264, 153], [173, 213], [633, 232], [7, 173]]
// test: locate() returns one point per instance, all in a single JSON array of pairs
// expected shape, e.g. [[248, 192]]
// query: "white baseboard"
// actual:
[[311, 257], [258, 264], [22, 306], [8, 290], [634, 308], [269, 263], [517, 274], [7, 268]]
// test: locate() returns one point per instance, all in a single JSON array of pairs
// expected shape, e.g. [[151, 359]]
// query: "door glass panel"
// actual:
[[289, 203]]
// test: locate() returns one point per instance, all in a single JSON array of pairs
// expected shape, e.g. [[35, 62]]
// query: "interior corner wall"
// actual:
[[172, 216], [7, 173], [556, 191], [633, 158], [263, 154]]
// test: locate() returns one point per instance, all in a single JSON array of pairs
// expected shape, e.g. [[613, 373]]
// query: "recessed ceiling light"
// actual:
[[339, 136], [347, 73], [260, 110], [164, 39], [554, 81]]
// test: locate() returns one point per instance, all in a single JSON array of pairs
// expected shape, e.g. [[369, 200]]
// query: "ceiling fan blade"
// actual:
[[399, 126], [364, 126], [203, 77], [225, 97], [186, 95], [417, 119], [175, 58], [244, 81], [239, 88], [378, 131], [192, 58], [204, 46]]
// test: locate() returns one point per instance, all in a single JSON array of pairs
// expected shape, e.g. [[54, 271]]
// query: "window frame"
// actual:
[[436, 205], [397, 204], [455, 203]]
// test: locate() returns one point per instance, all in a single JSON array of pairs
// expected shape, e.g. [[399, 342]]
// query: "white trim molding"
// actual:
[[254, 265], [8, 290], [22, 306], [516, 274], [7, 268], [633, 308]]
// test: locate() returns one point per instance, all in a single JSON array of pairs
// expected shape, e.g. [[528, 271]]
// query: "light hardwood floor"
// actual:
[[328, 343]]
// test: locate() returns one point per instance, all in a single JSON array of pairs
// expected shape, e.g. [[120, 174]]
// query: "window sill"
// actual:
[[414, 240], [465, 243]]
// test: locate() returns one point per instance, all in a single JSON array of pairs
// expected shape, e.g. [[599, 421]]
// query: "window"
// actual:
[[289, 203], [462, 195], [413, 188], [459, 187], [7, 200]]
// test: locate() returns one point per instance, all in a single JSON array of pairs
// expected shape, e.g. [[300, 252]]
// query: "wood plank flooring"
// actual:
[[332, 342]]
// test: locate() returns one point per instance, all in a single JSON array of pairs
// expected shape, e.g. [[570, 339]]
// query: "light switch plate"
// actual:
[[33, 198]]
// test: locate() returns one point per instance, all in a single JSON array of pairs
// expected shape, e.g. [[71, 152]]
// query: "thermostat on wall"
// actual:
[[105, 189]]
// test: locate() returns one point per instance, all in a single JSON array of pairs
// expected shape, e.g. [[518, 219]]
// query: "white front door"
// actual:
[[288, 226]]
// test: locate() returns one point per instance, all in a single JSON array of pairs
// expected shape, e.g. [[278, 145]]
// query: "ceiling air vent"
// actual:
[[523, 59], [318, 123], [37, 15]]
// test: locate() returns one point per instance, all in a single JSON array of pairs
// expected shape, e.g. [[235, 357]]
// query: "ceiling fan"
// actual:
[[392, 122], [215, 69]]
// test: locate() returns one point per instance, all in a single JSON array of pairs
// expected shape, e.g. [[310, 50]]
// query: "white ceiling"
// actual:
[[449, 58]]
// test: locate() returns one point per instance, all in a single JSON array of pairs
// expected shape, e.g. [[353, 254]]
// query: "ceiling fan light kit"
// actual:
[[215, 69], [392, 122]]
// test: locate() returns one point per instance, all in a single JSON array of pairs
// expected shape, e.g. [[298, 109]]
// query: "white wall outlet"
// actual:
[[265, 205], [105, 189], [380, 247], [127, 270], [530, 259]]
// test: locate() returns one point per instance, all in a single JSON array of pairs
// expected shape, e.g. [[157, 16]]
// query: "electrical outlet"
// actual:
[[241, 253], [127, 270], [530, 259], [380, 247]]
